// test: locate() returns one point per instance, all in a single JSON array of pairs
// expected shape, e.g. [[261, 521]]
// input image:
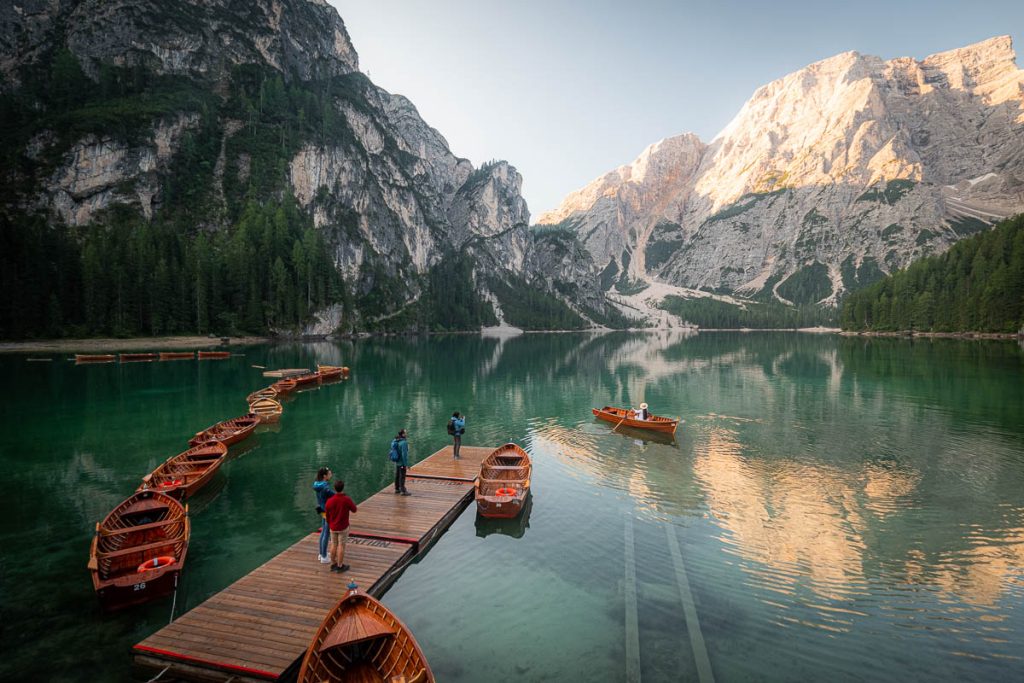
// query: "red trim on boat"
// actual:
[[220, 665]]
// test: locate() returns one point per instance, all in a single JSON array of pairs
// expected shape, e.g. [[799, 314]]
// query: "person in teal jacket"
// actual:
[[400, 444], [323, 489]]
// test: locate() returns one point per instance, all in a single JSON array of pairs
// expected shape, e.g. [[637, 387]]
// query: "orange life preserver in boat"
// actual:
[[172, 483], [505, 491], [155, 563]]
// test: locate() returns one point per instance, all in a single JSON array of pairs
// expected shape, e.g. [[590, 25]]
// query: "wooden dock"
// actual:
[[258, 628]]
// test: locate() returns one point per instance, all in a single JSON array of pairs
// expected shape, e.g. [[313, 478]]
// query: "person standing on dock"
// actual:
[[322, 488], [456, 428], [338, 509], [400, 456]]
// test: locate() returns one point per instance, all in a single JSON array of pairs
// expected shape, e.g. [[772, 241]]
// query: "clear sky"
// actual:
[[568, 90]]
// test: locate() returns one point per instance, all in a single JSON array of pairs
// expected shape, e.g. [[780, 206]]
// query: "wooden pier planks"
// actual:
[[258, 628]]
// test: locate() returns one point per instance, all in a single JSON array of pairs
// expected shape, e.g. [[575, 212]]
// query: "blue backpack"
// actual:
[[394, 455]]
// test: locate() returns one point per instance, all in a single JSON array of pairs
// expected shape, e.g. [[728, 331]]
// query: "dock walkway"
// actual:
[[258, 628]]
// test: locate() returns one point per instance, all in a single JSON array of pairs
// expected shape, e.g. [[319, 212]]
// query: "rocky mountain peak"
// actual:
[[851, 166], [303, 39]]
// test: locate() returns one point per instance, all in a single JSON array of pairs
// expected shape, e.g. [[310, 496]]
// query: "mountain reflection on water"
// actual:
[[840, 509]]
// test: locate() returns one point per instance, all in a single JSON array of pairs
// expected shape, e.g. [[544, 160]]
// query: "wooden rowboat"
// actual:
[[284, 386], [362, 640], [266, 409], [177, 355], [227, 432], [207, 355], [139, 549], [665, 425], [303, 381], [504, 482], [187, 472], [329, 372], [265, 392], [95, 358], [136, 357]]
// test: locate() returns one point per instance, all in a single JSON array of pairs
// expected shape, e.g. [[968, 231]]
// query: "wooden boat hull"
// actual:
[[284, 386], [146, 526], [227, 432], [138, 357], [184, 474], [213, 355], [177, 355], [504, 482], [266, 409], [266, 392], [362, 640], [95, 358], [663, 425], [332, 372], [303, 381]]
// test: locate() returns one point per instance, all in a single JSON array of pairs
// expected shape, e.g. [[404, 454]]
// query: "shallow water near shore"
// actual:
[[831, 509]]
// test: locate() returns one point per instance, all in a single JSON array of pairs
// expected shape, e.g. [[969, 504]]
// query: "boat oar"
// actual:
[[620, 422]]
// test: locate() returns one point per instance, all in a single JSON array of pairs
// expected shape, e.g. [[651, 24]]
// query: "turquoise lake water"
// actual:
[[831, 509]]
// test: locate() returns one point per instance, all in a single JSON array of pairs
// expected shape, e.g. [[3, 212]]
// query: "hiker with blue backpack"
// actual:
[[456, 428], [399, 455]]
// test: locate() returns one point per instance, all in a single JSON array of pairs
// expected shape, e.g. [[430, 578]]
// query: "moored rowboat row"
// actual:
[[140, 547]]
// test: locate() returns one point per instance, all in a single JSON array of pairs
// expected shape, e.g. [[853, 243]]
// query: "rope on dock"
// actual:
[[166, 669], [700, 650], [174, 600], [632, 627]]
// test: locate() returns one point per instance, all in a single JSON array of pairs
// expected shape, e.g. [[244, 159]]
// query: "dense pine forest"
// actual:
[[247, 260], [976, 286]]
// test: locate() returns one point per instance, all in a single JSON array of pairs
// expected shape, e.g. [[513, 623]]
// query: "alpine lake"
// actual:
[[831, 509]]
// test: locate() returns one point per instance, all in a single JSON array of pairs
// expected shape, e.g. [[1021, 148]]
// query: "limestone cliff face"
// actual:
[[849, 167], [301, 38], [385, 188]]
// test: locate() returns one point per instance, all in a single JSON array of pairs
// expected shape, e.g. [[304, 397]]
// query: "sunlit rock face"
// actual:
[[847, 168]]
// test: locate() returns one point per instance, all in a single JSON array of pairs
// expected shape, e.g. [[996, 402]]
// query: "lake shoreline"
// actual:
[[187, 343], [193, 342]]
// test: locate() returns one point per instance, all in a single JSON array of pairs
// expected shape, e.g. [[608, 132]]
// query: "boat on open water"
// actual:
[[227, 432], [504, 482], [624, 417], [137, 357], [362, 640], [139, 549], [184, 474]]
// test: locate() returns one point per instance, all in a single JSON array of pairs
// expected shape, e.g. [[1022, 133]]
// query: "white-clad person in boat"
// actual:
[[641, 413]]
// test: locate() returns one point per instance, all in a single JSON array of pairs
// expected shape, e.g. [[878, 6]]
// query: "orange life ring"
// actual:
[[155, 563], [505, 491], [172, 483]]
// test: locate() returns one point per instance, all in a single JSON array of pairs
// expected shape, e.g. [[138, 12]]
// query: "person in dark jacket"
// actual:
[[457, 428], [400, 445]]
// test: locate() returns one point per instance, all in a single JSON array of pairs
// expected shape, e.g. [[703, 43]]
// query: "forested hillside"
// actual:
[[977, 286]]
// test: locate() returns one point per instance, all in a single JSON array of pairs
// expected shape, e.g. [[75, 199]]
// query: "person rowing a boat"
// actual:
[[641, 413]]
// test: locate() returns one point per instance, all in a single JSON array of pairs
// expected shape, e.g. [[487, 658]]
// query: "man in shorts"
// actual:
[[338, 508]]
